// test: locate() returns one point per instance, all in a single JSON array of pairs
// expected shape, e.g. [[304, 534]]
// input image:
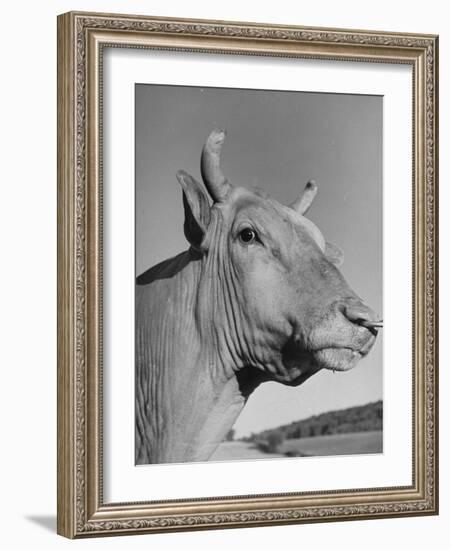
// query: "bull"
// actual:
[[258, 296]]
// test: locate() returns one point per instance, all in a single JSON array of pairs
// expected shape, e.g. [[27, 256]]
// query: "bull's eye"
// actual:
[[247, 235]]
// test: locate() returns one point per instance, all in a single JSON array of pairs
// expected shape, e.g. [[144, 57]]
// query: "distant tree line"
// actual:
[[355, 419]]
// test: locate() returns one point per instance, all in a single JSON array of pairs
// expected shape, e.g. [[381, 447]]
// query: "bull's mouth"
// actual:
[[341, 358], [337, 359], [300, 363]]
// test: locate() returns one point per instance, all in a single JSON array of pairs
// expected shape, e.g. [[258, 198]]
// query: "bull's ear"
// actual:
[[334, 254], [196, 209]]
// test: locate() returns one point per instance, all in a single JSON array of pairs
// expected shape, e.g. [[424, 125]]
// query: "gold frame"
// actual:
[[81, 37]]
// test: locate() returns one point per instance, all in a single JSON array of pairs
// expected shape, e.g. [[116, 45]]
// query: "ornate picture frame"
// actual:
[[82, 40]]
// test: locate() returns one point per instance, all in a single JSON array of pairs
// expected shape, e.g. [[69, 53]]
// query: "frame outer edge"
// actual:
[[75, 236], [435, 214], [66, 524]]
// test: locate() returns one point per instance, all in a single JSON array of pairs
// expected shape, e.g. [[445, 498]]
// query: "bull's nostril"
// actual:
[[359, 314]]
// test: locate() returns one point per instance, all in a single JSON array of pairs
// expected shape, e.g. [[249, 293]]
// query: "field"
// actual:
[[238, 450], [325, 445], [337, 444]]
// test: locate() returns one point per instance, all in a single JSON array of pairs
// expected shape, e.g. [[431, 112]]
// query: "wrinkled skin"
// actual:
[[257, 297], [291, 297]]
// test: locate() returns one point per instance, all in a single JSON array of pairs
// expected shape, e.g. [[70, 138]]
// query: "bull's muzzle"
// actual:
[[358, 313]]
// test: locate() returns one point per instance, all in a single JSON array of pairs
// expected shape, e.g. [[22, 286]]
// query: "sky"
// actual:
[[277, 140]]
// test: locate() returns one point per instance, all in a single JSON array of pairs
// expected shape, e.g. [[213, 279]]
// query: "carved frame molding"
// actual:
[[81, 37]]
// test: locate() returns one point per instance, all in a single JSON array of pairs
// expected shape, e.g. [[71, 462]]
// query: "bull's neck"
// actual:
[[198, 386]]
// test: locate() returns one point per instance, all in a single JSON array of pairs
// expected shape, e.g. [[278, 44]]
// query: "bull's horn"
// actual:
[[302, 204], [213, 178]]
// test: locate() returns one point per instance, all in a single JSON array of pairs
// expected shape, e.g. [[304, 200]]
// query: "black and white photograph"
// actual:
[[259, 274]]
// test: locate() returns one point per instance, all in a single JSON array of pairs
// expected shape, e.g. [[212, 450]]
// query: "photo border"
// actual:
[[81, 39]]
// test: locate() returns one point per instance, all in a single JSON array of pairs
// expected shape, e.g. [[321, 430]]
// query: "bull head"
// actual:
[[271, 282]]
